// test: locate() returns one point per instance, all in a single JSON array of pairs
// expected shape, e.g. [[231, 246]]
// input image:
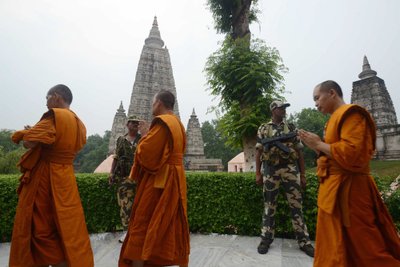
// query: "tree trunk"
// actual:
[[249, 149], [240, 20]]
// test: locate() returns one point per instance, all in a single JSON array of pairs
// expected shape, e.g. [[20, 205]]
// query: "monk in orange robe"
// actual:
[[354, 227], [158, 233], [49, 226]]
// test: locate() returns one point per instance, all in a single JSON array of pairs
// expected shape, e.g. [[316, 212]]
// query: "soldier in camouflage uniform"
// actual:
[[121, 167], [281, 168]]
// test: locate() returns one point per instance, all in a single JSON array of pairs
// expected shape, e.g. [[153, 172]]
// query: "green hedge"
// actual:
[[217, 202], [233, 204]]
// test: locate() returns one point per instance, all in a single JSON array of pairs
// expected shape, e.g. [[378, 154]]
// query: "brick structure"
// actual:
[[118, 128], [195, 159], [154, 73], [371, 93]]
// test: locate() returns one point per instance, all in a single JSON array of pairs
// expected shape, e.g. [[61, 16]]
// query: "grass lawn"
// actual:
[[387, 170]]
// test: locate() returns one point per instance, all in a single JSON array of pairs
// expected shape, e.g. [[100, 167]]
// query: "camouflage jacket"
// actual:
[[124, 155], [275, 156]]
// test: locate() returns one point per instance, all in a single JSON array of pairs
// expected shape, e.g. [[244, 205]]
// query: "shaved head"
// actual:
[[63, 91], [328, 85], [167, 98]]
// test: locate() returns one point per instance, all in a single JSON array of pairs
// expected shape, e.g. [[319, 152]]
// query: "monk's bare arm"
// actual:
[[324, 148]]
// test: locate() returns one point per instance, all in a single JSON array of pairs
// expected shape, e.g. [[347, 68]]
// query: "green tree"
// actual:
[[93, 153], [311, 120], [215, 143], [233, 16], [9, 160], [10, 153], [5, 141], [245, 74]]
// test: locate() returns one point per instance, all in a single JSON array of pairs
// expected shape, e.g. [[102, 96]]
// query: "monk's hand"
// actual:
[[144, 127], [259, 178], [310, 139], [303, 181]]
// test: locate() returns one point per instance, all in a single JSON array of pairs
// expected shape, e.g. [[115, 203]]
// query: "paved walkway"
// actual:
[[206, 251]]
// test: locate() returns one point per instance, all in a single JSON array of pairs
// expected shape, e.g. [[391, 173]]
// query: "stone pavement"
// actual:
[[206, 251]]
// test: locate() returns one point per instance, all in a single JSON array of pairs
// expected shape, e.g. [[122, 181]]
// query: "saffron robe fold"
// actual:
[[354, 227], [49, 225], [158, 232]]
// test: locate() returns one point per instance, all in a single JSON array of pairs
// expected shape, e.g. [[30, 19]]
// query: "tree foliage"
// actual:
[[9, 160], [245, 74], [5, 141], [246, 80], [10, 153], [215, 143], [310, 119], [93, 153], [230, 15]]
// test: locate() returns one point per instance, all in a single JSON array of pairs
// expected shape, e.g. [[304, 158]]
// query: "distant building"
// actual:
[[370, 92], [105, 166], [237, 163], [153, 74], [118, 128], [195, 159]]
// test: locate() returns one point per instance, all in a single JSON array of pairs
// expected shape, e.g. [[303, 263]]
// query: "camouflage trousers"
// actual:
[[125, 195], [288, 177]]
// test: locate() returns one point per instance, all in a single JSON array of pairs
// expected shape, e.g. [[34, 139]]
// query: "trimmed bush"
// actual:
[[233, 204], [99, 201], [393, 204], [217, 202], [8, 204]]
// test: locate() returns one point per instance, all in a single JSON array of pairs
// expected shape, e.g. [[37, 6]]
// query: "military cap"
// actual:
[[278, 104], [133, 118]]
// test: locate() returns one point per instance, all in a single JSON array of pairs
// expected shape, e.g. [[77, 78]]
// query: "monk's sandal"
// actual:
[[308, 249], [264, 246]]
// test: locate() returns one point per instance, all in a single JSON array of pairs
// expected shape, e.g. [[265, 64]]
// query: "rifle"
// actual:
[[276, 141]]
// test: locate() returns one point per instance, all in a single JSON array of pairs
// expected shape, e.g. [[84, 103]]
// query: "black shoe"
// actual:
[[263, 246], [122, 239], [308, 249]]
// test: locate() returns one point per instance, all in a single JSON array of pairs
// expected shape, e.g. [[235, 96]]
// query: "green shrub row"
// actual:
[[217, 202]]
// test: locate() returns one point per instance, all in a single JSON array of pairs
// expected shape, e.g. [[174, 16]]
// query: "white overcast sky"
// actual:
[[93, 46]]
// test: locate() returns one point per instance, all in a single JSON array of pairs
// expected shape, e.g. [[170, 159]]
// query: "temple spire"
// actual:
[[121, 108], [367, 72], [193, 113], [155, 24], [154, 38]]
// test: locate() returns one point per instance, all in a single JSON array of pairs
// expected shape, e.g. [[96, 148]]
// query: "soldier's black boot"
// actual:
[[308, 249], [264, 246]]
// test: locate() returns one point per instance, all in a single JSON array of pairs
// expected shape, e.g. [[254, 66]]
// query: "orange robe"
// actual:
[[49, 225], [354, 227], [158, 230]]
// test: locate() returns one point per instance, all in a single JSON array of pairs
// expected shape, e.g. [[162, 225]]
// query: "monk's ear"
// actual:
[[59, 99], [332, 92]]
